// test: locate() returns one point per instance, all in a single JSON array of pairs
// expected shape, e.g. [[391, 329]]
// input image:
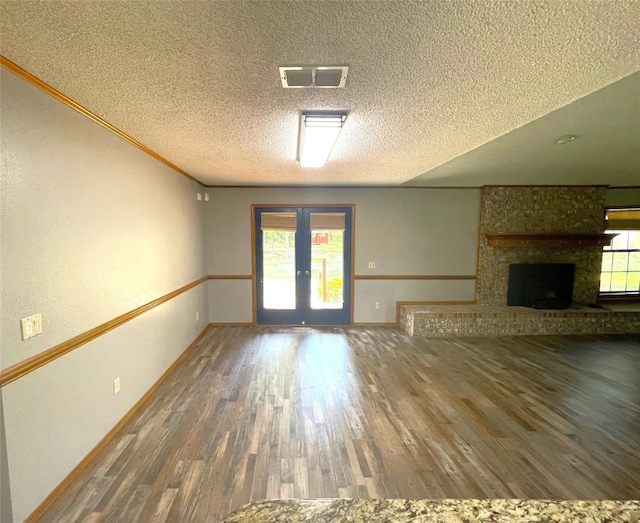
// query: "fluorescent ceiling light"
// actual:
[[318, 134]]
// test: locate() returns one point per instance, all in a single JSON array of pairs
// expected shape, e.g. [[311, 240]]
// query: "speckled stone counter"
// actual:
[[439, 321], [436, 511]]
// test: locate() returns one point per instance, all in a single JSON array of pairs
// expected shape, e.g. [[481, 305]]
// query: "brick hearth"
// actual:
[[439, 321]]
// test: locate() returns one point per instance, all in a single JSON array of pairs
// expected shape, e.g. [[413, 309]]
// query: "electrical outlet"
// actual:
[[372, 265], [116, 385], [197, 316], [377, 305]]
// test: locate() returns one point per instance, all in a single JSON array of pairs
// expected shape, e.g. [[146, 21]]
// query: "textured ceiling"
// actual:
[[607, 149], [429, 81]]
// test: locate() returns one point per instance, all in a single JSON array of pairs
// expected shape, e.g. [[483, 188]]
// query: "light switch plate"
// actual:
[[31, 326]]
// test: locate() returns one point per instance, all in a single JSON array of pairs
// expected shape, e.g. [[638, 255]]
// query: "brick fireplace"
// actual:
[[539, 211]]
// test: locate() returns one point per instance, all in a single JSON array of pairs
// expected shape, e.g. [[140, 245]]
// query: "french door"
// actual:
[[303, 265]]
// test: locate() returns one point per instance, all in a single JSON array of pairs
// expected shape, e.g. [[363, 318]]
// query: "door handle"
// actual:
[[306, 273], [298, 273]]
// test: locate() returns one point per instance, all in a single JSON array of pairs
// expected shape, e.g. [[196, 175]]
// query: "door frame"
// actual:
[[254, 274]]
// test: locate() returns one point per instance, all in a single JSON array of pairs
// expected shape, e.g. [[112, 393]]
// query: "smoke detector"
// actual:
[[314, 77]]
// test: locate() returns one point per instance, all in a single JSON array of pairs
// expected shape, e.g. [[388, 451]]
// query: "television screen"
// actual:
[[541, 285]]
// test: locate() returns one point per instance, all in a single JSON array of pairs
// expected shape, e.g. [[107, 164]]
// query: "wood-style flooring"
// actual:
[[255, 413]]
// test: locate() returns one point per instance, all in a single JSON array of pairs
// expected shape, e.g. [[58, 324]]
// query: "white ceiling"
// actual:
[[440, 93], [606, 150]]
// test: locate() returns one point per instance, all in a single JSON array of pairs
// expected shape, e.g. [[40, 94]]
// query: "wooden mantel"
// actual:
[[549, 240]]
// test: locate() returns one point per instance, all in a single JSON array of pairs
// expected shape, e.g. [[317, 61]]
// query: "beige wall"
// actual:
[[91, 228], [622, 197], [405, 231], [230, 301]]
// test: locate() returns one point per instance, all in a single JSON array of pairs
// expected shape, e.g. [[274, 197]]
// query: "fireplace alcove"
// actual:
[[544, 285], [541, 285]]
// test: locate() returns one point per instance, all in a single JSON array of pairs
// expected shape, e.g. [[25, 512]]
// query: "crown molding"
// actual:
[[19, 71]]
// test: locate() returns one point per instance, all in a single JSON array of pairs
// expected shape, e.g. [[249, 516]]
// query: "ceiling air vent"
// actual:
[[332, 77], [298, 78]]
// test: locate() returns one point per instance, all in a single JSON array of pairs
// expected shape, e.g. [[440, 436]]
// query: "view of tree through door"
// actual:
[[303, 265]]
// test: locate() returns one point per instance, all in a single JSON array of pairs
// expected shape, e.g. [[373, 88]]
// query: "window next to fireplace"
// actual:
[[620, 276], [541, 285]]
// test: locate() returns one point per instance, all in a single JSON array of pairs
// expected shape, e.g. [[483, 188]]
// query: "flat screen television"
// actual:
[[541, 285]]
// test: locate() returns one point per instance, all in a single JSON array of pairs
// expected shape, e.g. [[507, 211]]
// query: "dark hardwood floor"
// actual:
[[257, 413]]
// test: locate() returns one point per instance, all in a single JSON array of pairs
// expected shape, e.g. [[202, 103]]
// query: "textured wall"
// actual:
[[536, 210], [623, 197], [55, 415], [230, 301], [388, 292], [405, 231], [91, 228]]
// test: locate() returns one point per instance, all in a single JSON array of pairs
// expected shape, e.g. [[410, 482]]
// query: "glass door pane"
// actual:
[[327, 260], [279, 269], [276, 265]]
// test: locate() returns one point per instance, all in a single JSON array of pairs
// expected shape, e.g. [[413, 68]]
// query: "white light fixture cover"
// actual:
[[318, 134]]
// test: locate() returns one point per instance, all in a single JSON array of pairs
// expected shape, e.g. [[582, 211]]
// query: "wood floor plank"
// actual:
[[164, 506], [256, 413]]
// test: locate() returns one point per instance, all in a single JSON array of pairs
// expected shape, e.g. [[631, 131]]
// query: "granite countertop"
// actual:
[[436, 511]]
